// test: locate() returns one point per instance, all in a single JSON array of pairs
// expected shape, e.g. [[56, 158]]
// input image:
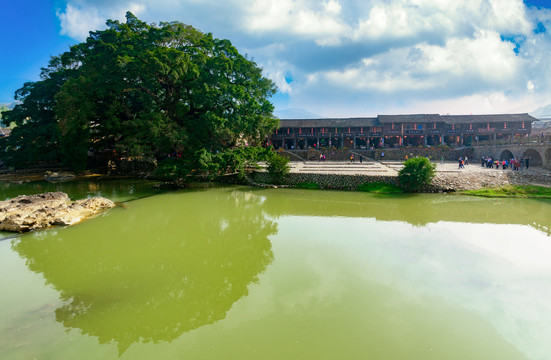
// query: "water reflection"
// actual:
[[350, 269], [114, 189], [416, 209], [163, 266]]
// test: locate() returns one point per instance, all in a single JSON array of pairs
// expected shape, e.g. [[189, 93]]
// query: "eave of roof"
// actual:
[[492, 118], [410, 118], [328, 122], [407, 118]]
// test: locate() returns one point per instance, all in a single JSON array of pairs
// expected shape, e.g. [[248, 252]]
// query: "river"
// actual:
[[236, 272]]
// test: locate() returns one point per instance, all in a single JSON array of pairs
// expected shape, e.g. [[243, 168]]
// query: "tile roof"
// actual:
[[328, 122]]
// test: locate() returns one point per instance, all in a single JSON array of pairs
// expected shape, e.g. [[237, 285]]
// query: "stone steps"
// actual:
[[356, 171]]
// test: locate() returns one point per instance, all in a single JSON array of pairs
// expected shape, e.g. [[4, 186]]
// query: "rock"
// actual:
[[59, 176], [30, 212]]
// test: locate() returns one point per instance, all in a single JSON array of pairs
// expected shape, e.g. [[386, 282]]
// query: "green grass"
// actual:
[[380, 188], [307, 185], [520, 191]]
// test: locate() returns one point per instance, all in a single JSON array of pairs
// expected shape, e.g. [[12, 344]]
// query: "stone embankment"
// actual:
[[30, 212], [474, 177], [348, 176]]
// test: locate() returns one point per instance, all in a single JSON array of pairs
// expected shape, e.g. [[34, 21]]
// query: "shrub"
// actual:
[[173, 169], [416, 173], [379, 188], [278, 168], [308, 185]]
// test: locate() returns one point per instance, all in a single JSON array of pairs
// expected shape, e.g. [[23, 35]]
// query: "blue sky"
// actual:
[[331, 57]]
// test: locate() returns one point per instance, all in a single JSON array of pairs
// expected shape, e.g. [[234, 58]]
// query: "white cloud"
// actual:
[[278, 76], [401, 55], [509, 16], [333, 7], [77, 22], [483, 59], [486, 57], [310, 20]]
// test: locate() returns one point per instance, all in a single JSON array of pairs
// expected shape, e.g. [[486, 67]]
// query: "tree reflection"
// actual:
[[164, 266], [415, 209]]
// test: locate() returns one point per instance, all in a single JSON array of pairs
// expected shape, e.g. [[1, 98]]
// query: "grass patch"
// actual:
[[519, 191], [308, 185], [380, 188]]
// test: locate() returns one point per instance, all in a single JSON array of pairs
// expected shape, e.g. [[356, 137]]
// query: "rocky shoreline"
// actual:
[[30, 212], [489, 178]]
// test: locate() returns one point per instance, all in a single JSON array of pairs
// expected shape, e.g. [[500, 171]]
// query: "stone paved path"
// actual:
[[448, 175], [372, 167]]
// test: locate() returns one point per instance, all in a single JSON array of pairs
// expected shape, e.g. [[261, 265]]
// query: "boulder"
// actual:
[[30, 212], [58, 176]]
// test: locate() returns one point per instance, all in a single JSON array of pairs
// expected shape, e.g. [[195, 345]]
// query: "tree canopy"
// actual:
[[142, 90]]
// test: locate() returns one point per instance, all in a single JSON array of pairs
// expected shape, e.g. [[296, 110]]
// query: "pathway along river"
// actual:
[[246, 273]]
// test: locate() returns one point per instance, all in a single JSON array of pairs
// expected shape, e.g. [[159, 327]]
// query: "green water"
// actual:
[[114, 189], [242, 273]]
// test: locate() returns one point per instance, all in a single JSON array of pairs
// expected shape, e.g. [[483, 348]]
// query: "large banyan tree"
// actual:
[[142, 90]]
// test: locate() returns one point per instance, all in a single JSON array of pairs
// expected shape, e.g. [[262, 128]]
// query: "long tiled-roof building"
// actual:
[[399, 130]]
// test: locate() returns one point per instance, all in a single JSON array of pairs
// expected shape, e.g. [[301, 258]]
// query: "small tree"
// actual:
[[278, 167], [416, 173]]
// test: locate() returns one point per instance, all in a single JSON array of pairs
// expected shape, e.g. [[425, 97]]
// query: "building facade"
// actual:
[[399, 130]]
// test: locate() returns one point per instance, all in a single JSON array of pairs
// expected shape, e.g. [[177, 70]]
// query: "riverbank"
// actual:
[[41, 176], [350, 176], [476, 177], [516, 191]]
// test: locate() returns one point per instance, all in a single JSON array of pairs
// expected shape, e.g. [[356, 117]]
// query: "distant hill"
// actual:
[[295, 113], [4, 107], [9, 106], [542, 113]]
